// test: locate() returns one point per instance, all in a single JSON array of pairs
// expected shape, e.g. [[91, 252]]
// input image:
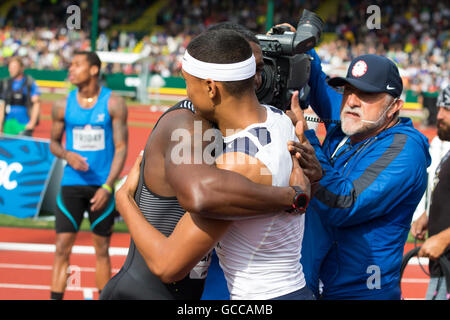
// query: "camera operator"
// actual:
[[374, 174]]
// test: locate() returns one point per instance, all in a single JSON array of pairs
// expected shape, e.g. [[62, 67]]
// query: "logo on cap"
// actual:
[[359, 68]]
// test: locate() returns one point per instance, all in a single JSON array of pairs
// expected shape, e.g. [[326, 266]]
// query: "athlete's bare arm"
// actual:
[[75, 160], [194, 185], [118, 111], [172, 258], [57, 130], [35, 111], [204, 188]]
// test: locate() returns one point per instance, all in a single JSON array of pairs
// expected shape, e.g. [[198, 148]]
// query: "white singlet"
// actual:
[[261, 257]]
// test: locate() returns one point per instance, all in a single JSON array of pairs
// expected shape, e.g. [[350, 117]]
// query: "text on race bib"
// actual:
[[88, 138]]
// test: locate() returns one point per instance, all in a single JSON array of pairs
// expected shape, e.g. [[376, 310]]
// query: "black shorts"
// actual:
[[73, 201]]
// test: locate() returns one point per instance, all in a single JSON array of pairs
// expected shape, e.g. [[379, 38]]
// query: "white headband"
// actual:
[[219, 71]]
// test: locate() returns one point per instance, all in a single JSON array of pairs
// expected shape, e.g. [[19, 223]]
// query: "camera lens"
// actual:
[[265, 91]]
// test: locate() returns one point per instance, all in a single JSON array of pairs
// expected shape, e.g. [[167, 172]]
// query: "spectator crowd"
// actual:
[[414, 34]]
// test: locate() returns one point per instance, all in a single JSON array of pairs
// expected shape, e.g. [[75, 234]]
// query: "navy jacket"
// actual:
[[358, 221]]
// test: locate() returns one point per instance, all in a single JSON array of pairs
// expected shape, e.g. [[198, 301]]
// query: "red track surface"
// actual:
[[26, 275]]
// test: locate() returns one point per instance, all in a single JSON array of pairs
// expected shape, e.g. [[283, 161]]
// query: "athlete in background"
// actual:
[[95, 123]]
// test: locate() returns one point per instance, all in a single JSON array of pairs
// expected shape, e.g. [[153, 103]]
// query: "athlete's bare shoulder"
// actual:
[[59, 109], [117, 106], [178, 127], [182, 116]]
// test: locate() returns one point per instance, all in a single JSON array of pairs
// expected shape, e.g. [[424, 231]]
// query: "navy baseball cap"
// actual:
[[372, 73]]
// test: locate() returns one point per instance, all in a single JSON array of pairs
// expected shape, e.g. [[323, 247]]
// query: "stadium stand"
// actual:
[[415, 34]]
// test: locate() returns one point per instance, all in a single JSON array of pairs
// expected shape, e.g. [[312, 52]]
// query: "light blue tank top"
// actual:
[[89, 133]]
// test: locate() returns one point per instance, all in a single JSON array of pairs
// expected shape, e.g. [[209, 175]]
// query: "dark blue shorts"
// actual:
[[302, 294]]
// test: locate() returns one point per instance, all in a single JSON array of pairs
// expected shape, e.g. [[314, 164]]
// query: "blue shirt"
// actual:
[[358, 221], [89, 133]]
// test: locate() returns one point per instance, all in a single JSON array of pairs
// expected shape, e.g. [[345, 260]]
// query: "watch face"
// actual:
[[301, 201]]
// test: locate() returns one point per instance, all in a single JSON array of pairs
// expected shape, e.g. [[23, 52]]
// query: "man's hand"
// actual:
[[297, 118], [30, 126], [130, 185], [419, 227], [299, 178], [282, 25], [100, 199], [433, 248], [306, 157], [303, 150], [76, 161], [125, 194]]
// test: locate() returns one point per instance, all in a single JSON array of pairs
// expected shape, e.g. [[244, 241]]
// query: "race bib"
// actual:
[[200, 271], [88, 138]]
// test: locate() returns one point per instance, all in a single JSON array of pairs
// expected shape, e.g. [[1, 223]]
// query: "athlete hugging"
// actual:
[[258, 248]]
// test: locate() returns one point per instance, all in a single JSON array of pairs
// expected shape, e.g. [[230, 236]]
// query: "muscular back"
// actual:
[[177, 135]]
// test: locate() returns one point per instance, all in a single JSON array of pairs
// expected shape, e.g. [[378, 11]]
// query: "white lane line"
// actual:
[[24, 266], [35, 247], [88, 294], [40, 287], [42, 267], [413, 280], [415, 261]]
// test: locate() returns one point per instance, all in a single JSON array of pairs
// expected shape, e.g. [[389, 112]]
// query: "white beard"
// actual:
[[352, 126]]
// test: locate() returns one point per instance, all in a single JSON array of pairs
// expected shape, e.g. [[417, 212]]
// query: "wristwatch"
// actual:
[[300, 201]]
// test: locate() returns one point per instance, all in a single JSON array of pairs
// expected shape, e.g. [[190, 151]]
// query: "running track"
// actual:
[[26, 257]]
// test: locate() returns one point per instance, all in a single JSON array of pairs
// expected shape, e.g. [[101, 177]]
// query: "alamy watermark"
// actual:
[[374, 20], [74, 279], [73, 22], [374, 280], [190, 146]]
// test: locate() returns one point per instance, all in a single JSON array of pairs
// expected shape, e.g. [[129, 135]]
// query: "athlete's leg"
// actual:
[[68, 217], [103, 261], [64, 243], [102, 223]]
